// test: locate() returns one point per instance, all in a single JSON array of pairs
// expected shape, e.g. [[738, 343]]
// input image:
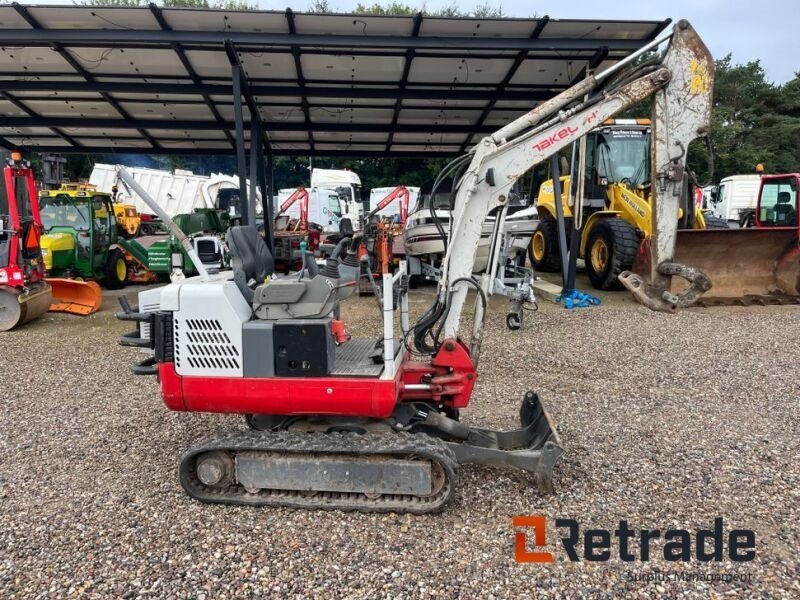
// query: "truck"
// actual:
[[324, 207], [734, 199]]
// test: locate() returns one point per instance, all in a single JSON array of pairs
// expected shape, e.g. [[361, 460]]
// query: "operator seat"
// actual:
[[785, 213], [251, 260]]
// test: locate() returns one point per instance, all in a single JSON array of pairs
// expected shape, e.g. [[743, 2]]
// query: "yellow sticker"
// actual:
[[699, 74]]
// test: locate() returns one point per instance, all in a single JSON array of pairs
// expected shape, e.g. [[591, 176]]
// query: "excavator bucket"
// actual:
[[75, 297], [18, 307], [746, 266]]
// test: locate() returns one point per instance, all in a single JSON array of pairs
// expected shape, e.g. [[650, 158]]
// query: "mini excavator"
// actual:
[[342, 422]]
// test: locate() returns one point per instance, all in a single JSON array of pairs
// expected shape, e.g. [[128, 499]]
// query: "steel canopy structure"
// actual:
[[178, 81]]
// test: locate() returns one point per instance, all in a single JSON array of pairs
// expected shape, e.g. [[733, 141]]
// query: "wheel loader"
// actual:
[[24, 293], [342, 421], [758, 265], [616, 214]]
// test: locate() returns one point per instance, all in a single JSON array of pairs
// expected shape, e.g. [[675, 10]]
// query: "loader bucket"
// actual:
[[17, 307], [746, 266], [75, 297]]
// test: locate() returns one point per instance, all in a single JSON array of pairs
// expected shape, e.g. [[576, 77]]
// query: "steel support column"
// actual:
[[241, 160], [265, 188]]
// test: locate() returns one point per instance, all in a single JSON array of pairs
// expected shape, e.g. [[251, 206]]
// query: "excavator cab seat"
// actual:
[[251, 260], [785, 212]]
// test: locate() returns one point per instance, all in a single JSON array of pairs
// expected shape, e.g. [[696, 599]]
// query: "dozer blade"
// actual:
[[745, 266], [17, 307], [75, 297]]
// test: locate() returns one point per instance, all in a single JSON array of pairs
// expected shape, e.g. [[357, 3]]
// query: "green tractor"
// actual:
[[80, 236], [204, 227]]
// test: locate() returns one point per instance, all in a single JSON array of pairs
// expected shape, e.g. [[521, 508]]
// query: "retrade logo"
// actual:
[[627, 544]]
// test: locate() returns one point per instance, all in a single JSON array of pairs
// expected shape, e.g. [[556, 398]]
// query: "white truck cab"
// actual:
[[324, 207]]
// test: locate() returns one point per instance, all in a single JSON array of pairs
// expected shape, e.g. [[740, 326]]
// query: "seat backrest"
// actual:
[[250, 258], [785, 213], [345, 227]]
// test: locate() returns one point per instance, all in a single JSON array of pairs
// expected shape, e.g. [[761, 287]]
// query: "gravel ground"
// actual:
[[667, 420]]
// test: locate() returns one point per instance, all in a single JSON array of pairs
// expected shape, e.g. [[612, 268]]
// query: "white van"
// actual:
[[324, 207], [736, 197]]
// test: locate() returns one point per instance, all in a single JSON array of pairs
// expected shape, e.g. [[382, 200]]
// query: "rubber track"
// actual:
[[402, 445]]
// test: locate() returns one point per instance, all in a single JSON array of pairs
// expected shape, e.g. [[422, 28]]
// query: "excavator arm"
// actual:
[[300, 194], [400, 192], [682, 84]]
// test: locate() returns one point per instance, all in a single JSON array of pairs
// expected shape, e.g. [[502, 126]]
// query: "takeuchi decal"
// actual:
[[562, 134]]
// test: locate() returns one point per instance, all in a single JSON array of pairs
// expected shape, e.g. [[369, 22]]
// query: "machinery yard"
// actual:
[[659, 428], [402, 302]]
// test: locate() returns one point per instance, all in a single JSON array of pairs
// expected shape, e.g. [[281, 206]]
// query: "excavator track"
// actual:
[[370, 472]]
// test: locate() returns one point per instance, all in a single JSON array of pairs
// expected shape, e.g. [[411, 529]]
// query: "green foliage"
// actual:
[[753, 121], [486, 11]]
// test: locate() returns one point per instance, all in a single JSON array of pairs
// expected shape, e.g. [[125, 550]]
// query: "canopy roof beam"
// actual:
[[187, 64]]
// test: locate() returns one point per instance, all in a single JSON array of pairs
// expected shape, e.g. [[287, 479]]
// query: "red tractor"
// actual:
[[24, 293]]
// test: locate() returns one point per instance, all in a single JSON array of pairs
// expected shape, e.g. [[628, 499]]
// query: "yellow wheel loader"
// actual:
[[616, 213]]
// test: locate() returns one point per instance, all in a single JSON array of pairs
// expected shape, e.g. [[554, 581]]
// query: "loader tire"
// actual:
[[543, 250], [713, 222], [610, 249], [116, 270]]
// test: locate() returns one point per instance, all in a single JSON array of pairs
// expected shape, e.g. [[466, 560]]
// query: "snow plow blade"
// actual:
[[17, 307], [745, 266], [75, 297]]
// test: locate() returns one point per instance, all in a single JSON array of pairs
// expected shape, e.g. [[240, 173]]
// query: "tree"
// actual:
[[753, 121], [485, 11]]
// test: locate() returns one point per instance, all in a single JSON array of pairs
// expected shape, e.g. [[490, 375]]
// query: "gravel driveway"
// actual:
[[667, 420]]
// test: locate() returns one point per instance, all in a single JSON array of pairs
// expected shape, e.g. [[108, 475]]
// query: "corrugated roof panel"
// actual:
[[92, 17], [361, 136], [113, 61], [621, 30], [343, 146], [59, 108], [11, 19], [225, 20], [547, 72], [23, 131], [352, 68], [27, 61], [353, 24], [430, 138], [267, 65], [436, 26], [345, 115], [438, 117], [353, 87], [459, 70], [166, 110]]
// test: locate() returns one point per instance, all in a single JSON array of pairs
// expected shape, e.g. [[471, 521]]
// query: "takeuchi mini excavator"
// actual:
[[346, 422], [24, 293]]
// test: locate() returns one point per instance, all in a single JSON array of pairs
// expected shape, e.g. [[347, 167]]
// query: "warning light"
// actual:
[[760, 168], [16, 156]]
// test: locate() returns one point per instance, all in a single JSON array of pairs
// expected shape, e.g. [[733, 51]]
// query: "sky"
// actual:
[[764, 30]]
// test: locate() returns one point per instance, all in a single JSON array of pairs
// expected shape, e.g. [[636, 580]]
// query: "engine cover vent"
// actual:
[[203, 345]]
